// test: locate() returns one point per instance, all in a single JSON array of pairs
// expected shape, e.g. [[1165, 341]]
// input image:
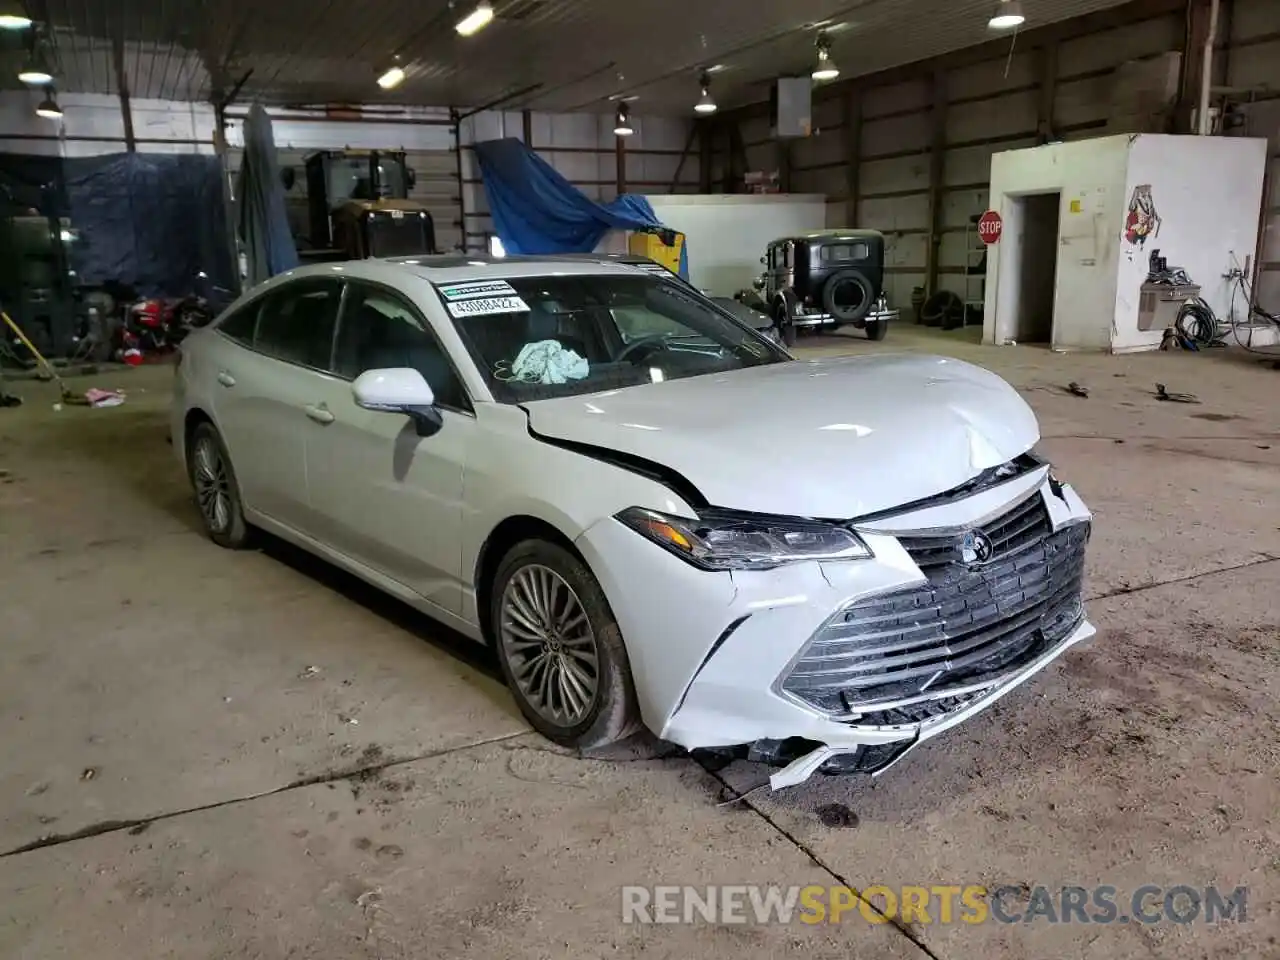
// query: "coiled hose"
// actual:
[[1196, 322]]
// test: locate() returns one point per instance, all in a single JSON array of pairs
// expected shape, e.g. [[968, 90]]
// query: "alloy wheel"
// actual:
[[213, 487], [549, 645]]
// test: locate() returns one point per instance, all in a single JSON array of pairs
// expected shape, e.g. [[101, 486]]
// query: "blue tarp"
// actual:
[[149, 221], [536, 210]]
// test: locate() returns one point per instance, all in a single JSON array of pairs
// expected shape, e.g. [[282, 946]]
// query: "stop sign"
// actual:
[[989, 227]]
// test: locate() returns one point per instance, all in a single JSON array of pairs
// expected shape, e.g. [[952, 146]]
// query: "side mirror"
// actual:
[[764, 260], [399, 390], [410, 177]]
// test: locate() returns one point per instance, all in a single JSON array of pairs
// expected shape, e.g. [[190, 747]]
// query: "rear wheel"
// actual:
[[876, 329], [216, 490], [560, 648]]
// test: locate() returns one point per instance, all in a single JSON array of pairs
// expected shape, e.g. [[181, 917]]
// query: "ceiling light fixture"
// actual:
[[393, 76], [622, 121], [825, 68], [706, 103], [476, 20], [35, 72], [13, 16], [48, 107], [1007, 15]]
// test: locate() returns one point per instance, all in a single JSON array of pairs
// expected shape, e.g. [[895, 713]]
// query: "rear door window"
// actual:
[[297, 322], [240, 325]]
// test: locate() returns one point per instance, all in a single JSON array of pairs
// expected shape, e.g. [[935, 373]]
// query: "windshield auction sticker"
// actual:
[[480, 297]]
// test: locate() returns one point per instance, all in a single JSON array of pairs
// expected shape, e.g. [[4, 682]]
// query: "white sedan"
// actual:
[[652, 513]]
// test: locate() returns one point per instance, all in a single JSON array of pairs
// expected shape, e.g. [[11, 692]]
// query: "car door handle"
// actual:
[[226, 379], [319, 413]]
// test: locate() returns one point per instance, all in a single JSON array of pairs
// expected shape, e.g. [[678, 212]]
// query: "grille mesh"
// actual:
[[965, 624]]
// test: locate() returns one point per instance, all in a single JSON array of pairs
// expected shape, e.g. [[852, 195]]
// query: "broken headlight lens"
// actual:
[[726, 540]]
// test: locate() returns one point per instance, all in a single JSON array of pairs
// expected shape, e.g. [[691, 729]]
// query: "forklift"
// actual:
[[359, 207], [37, 285]]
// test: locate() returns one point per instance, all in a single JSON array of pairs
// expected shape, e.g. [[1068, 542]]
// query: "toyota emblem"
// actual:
[[976, 548]]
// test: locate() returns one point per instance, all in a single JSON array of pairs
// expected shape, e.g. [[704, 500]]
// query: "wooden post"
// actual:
[[784, 165], [684, 155], [1192, 73], [1222, 56], [456, 118], [738, 163], [1048, 93], [228, 198], [620, 157], [937, 165], [122, 85], [852, 153], [706, 153]]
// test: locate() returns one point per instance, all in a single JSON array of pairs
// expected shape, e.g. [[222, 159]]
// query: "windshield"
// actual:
[[540, 337], [349, 179]]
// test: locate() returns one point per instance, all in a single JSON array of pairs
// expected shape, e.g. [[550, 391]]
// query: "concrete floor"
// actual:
[[205, 753]]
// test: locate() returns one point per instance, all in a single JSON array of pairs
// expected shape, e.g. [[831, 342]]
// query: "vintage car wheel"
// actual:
[[848, 295], [876, 329]]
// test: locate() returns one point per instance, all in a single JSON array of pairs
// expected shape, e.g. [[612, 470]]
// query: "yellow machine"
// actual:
[[650, 245]]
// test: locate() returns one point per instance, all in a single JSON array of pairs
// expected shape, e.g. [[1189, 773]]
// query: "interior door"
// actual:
[[265, 386], [380, 493]]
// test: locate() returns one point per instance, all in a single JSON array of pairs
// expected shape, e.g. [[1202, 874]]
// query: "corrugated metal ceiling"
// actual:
[[578, 52]]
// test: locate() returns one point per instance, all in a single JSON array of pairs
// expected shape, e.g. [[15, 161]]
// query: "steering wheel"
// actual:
[[652, 340]]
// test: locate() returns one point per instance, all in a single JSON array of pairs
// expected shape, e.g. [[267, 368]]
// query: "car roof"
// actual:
[[453, 268], [849, 234]]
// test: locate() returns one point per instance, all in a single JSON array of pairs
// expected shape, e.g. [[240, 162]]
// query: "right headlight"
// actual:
[[728, 540]]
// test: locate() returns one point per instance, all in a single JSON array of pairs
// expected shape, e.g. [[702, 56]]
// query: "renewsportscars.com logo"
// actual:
[[935, 904]]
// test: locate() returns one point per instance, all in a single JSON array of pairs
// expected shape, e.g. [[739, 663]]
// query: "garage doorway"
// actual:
[[1035, 262]]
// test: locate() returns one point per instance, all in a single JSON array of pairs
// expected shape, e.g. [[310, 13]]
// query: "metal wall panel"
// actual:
[[896, 135], [828, 181], [1104, 51], [998, 116], [994, 76], [895, 214], [1082, 101], [896, 175], [823, 149], [896, 98]]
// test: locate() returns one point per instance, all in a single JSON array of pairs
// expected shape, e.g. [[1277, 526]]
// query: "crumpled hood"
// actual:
[[833, 438]]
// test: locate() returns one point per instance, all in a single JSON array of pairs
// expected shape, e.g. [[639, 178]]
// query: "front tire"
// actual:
[[876, 329], [560, 648], [217, 492]]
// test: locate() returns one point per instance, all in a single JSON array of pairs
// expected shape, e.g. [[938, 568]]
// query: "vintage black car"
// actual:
[[826, 279]]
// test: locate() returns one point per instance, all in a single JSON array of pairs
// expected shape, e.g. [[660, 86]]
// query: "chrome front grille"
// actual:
[[1026, 523], [965, 625]]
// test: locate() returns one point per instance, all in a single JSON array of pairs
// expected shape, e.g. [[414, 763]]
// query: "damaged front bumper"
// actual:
[[850, 665], [874, 749]]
